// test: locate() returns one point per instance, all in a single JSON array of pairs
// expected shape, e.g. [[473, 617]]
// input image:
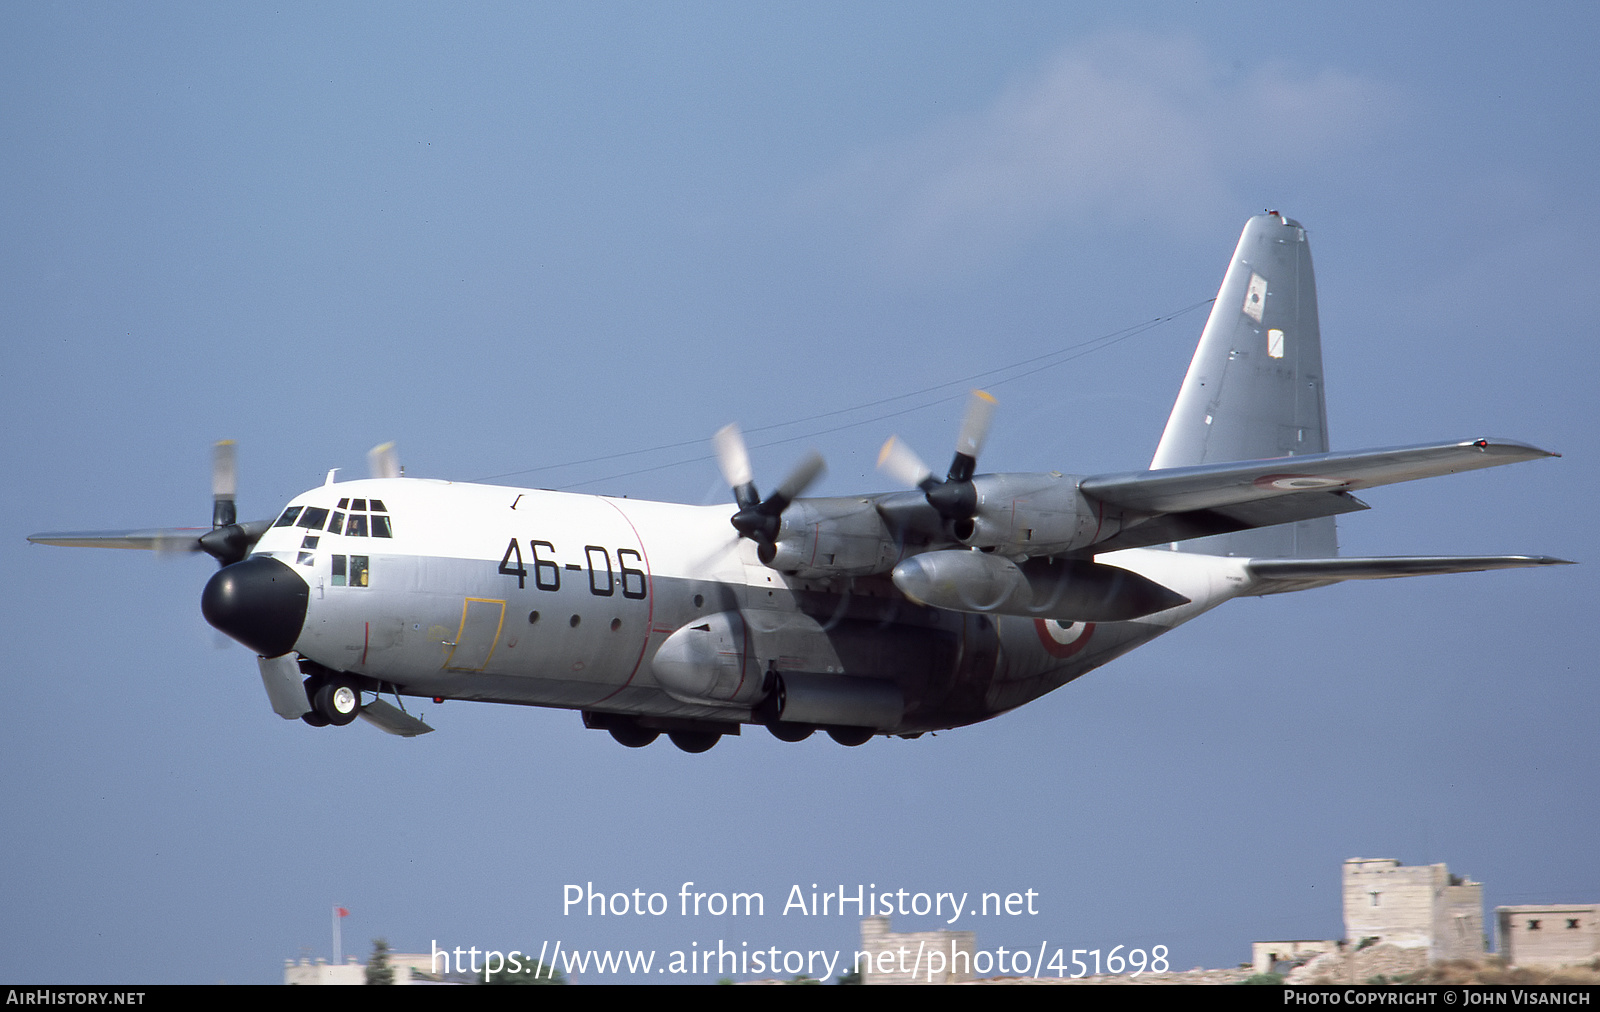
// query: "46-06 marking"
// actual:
[[603, 580]]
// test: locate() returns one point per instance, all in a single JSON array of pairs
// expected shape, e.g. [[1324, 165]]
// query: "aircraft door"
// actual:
[[481, 621]]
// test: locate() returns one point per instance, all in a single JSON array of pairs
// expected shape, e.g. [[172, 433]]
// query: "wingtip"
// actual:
[[1529, 561], [1528, 450]]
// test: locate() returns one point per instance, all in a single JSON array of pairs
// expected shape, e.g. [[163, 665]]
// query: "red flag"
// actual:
[[342, 911]]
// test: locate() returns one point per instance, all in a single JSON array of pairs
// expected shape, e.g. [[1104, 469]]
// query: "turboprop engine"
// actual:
[[1019, 515], [831, 537], [1033, 514], [715, 660], [1067, 591]]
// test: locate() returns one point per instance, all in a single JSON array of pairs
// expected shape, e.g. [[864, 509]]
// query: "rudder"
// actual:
[[1254, 389]]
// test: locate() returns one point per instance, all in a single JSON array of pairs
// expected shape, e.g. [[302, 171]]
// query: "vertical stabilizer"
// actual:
[[1254, 388]]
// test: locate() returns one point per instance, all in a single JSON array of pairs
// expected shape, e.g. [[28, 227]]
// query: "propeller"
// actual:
[[228, 541], [954, 498], [224, 483], [759, 519], [383, 461]]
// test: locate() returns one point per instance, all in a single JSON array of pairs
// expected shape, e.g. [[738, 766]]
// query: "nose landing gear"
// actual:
[[335, 699]]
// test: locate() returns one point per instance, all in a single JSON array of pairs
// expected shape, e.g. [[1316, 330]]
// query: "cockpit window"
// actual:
[[353, 575], [354, 525]]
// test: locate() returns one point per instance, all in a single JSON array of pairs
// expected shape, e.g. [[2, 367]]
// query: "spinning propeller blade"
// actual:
[[954, 498], [383, 461], [900, 462], [734, 460], [975, 425], [224, 483], [759, 519], [228, 541]]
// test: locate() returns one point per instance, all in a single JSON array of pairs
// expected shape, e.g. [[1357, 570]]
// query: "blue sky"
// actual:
[[516, 236]]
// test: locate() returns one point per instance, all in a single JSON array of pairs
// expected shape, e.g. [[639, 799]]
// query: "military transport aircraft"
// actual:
[[895, 613]]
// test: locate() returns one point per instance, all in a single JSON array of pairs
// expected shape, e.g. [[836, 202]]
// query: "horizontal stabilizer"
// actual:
[[1279, 576], [1209, 486], [390, 718]]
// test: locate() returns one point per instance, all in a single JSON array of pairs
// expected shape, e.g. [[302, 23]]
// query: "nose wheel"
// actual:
[[334, 699]]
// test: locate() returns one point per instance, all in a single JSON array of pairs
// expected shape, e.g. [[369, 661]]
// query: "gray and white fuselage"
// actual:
[[546, 598]]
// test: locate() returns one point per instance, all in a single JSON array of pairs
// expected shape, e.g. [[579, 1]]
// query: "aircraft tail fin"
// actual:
[[1254, 389]]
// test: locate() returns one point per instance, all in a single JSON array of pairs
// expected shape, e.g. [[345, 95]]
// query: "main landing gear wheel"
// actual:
[[634, 736], [850, 736], [790, 732], [694, 741]]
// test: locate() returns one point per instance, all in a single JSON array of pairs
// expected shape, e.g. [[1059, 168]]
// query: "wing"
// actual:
[[1207, 499], [156, 539], [159, 539], [226, 540]]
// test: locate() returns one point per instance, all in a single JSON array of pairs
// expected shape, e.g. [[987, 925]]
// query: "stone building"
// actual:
[[1421, 906], [1285, 954], [1549, 935], [408, 967]]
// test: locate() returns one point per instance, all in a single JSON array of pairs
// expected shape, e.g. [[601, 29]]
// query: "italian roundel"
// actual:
[[1063, 639]]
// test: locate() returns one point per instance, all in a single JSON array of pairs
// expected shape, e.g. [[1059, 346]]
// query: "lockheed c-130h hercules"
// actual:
[[896, 613]]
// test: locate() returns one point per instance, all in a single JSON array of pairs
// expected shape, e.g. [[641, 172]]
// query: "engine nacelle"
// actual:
[[714, 661], [707, 661], [1034, 514], [831, 537], [1067, 591]]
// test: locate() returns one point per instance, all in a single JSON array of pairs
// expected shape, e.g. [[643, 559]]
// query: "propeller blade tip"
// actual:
[[975, 426], [224, 469], [383, 461], [900, 462], [732, 457], [888, 448]]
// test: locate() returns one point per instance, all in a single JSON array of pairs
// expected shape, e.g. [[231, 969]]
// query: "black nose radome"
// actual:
[[260, 602]]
